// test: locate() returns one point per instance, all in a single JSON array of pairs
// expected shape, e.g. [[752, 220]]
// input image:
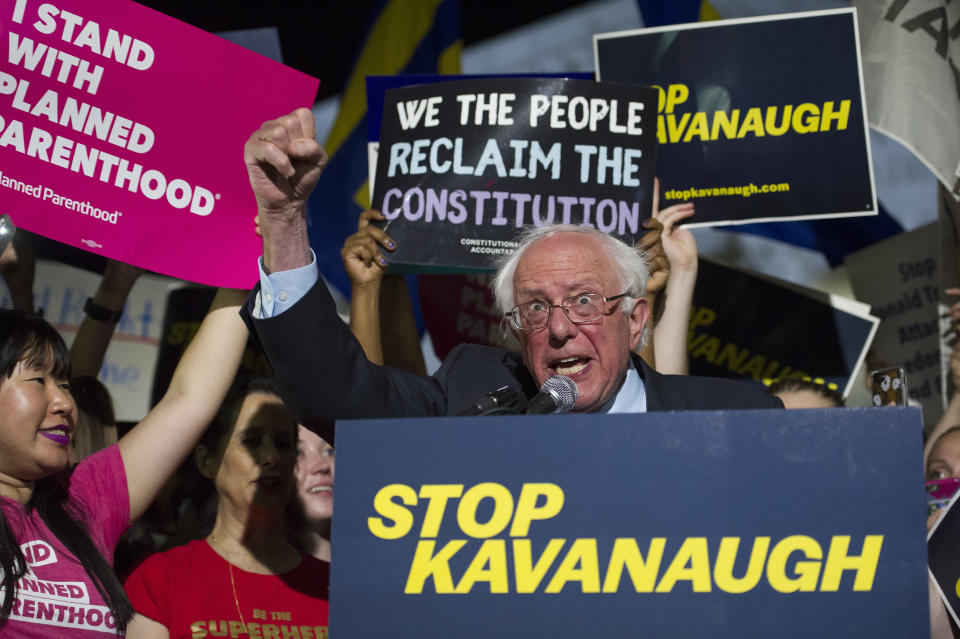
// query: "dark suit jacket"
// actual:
[[324, 375]]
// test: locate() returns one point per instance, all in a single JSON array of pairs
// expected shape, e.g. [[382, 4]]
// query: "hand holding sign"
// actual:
[[657, 262], [664, 247], [671, 311], [678, 243], [284, 162], [364, 263]]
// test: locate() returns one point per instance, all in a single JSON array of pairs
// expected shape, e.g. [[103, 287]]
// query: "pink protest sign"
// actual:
[[122, 132]]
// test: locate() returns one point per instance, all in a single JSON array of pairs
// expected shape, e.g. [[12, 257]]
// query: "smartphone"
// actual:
[[939, 492], [889, 386]]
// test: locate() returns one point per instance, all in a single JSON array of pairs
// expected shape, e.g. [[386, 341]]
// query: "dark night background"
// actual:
[[322, 38]]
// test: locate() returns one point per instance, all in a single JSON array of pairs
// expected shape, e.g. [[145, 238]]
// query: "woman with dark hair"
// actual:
[[245, 578], [59, 524]]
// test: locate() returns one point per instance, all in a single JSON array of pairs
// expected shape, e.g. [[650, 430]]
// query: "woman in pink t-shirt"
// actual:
[[245, 578], [59, 525]]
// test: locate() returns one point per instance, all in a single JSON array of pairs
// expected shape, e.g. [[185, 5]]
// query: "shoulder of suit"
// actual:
[[709, 391], [475, 358], [475, 353]]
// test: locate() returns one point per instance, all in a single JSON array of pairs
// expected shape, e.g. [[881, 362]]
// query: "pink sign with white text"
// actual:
[[122, 133]]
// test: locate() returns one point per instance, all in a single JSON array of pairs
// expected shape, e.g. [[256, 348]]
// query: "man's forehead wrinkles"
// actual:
[[571, 286]]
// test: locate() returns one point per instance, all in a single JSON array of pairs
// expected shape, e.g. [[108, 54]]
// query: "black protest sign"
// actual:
[[746, 326], [463, 166], [942, 557], [760, 119]]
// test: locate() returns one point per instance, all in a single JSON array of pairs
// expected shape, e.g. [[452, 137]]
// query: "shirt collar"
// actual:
[[632, 396]]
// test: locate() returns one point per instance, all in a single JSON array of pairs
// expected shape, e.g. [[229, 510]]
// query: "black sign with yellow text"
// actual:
[[760, 119], [943, 561], [683, 524], [757, 327]]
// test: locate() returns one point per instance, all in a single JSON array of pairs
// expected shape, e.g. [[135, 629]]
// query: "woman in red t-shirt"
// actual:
[[245, 578]]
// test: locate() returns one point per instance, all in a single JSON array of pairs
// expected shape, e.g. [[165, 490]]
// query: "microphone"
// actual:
[[557, 395], [503, 401]]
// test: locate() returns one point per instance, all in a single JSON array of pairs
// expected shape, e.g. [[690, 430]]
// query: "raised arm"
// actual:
[[366, 266], [671, 254], [381, 313], [399, 337], [670, 329], [321, 369], [157, 445], [94, 335], [659, 268], [284, 163]]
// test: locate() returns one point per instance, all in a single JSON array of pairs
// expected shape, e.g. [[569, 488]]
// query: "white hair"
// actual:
[[629, 264]]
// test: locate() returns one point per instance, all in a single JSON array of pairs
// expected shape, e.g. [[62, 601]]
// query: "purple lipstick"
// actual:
[[58, 434]]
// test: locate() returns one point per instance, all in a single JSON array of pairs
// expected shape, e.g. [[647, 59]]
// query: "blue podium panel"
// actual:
[[737, 523]]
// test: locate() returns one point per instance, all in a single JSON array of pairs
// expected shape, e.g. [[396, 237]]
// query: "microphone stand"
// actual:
[[503, 401]]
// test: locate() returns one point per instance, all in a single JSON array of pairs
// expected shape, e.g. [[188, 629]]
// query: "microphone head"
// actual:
[[564, 390]]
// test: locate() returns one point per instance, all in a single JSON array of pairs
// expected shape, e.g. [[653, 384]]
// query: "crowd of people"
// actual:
[[249, 531]]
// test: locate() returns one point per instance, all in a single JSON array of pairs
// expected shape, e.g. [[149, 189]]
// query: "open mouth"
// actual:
[[570, 366], [59, 435], [318, 490]]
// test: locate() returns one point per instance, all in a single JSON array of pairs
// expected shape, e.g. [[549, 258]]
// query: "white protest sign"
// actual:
[[900, 278]]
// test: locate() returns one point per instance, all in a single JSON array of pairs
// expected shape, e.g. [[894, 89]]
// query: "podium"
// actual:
[[805, 523]]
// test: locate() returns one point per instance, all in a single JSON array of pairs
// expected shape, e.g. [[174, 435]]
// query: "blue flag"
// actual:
[[657, 13], [403, 37]]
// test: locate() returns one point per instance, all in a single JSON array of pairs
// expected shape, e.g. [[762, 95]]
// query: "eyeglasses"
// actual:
[[579, 309]]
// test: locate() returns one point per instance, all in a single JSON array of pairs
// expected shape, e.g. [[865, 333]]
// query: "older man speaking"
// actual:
[[573, 297]]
